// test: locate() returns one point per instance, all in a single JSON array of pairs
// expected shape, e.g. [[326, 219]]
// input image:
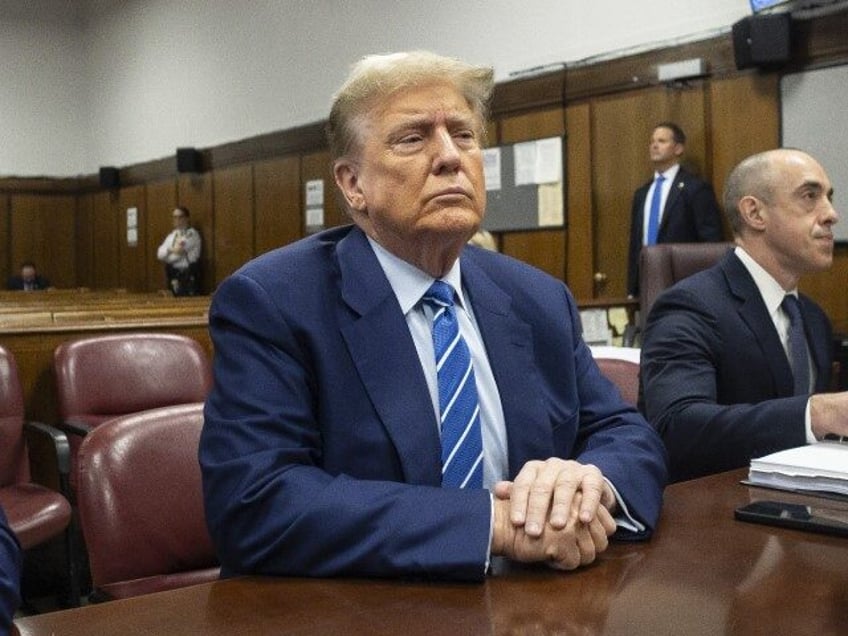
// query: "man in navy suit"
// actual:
[[687, 208], [716, 375], [10, 574], [321, 450]]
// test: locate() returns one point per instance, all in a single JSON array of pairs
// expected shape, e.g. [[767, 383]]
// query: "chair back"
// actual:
[[103, 377], [141, 503], [14, 465], [621, 366], [664, 264]]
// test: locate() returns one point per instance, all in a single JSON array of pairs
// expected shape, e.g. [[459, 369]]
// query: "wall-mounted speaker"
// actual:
[[762, 40], [189, 160], [109, 177]]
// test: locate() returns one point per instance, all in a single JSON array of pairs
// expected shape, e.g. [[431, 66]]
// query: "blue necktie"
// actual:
[[654, 217], [798, 358], [462, 444]]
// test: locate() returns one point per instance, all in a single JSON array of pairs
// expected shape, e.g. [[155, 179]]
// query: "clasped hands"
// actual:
[[557, 511]]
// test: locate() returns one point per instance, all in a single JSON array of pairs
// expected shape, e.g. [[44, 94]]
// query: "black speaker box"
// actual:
[[762, 40], [189, 160], [110, 178]]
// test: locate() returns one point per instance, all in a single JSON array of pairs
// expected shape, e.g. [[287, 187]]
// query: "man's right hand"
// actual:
[[576, 544]]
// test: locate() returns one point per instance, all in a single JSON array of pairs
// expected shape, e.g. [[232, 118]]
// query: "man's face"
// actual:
[[28, 273], [180, 220], [663, 150], [418, 179], [799, 216]]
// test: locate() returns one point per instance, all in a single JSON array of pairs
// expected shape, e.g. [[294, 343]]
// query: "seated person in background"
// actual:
[[728, 371], [28, 280], [321, 451], [180, 251], [10, 574], [484, 239]]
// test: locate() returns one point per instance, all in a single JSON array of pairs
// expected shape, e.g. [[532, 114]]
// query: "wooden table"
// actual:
[[703, 573]]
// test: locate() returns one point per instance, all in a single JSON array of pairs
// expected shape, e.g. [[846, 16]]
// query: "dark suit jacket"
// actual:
[[716, 382], [17, 283], [691, 215], [320, 449], [10, 574]]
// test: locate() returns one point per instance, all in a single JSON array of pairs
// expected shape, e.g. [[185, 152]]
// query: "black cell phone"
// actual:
[[815, 518]]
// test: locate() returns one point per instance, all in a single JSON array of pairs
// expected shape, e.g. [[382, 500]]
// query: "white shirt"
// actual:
[[772, 294], [669, 176], [192, 248]]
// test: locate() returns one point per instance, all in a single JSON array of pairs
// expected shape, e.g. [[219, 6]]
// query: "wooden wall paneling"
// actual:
[[580, 248], [133, 257], [317, 165], [544, 249], [106, 237], [42, 230], [161, 199], [85, 240], [234, 219], [621, 129], [7, 265], [744, 119], [278, 202], [828, 289], [196, 192]]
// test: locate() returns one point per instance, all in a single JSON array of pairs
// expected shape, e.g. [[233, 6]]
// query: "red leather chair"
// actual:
[[104, 377], [36, 513], [621, 366], [141, 503]]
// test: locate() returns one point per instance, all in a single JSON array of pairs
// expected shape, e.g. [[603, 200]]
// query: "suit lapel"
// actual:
[[674, 194], [817, 344], [753, 312], [508, 341], [385, 357]]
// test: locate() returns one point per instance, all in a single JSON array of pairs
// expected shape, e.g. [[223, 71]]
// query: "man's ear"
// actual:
[[346, 174], [751, 209]]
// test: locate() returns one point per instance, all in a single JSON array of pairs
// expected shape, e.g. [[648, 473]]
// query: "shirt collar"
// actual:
[[770, 289], [669, 174], [408, 282]]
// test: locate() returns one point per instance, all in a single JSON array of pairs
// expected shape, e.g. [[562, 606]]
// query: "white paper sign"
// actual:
[[315, 193], [492, 168]]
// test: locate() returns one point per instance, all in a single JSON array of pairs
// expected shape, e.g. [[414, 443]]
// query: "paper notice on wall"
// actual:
[[595, 328], [550, 211], [315, 193], [549, 160], [492, 168]]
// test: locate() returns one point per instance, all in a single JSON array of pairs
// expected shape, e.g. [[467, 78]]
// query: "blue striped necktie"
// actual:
[[654, 216], [459, 408], [798, 357]]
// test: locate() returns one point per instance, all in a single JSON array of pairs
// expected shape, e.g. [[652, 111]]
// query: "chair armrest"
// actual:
[[77, 427], [49, 456]]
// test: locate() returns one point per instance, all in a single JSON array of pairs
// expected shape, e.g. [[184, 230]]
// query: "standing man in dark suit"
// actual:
[[325, 447], [674, 207], [730, 369]]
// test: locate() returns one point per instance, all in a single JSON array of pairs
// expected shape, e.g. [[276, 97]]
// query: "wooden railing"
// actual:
[[33, 324]]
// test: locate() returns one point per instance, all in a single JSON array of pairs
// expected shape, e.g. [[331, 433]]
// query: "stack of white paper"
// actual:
[[816, 467]]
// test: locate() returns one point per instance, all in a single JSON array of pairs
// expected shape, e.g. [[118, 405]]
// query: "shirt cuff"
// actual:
[[624, 520]]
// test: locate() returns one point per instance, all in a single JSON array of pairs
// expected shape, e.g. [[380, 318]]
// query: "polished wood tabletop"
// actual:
[[702, 573]]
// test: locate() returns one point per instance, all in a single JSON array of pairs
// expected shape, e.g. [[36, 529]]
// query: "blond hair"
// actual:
[[377, 76]]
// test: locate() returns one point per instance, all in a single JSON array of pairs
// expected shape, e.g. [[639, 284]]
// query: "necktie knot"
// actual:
[[440, 294], [792, 306]]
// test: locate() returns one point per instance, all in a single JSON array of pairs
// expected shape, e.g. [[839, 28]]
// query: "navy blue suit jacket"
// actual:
[[10, 574], [691, 215], [320, 450], [715, 379]]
